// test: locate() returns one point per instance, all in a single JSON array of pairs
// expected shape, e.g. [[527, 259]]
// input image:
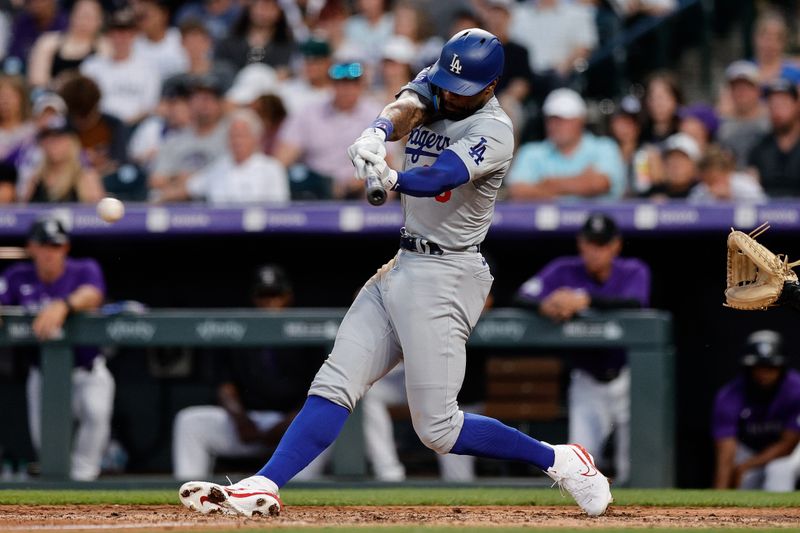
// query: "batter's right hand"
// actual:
[[372, 140]]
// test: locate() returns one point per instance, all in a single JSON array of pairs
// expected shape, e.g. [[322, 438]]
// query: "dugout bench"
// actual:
[[646, 334]]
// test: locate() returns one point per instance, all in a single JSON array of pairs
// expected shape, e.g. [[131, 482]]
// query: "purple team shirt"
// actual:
[[756, 424], [20, 286], [629, 280]]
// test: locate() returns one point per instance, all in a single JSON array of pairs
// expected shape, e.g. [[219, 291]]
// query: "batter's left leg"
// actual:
[[364, 351], [434, 306]]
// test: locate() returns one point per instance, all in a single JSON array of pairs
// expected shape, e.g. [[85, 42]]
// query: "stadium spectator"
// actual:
[[28, 157], [218, 16], [395, 72], [613, 16], [8, 183], [194, 148], [598, 278], [439, 16], [775, 159], [5, 29], [571, 162], [158, 44], [272, 112], [369, 29], [104, 138], [56, 53], [747, 120], [242, 175], [756, 421], [464, 19], [317, 137], [313, 85], [514, 85], [721, 182], [700, 122], [663, 97], [396, 67], [52, 286], [129, 85], [198, 46], [770, 39], [681, 157], [261, 35], [559, 35], [172, 118], [36, 18], [412, 21], [62, 176], [252, 81], [642, 161], [15, 127], [259, 393]]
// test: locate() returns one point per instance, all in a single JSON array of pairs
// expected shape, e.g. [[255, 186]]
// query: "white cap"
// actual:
[[564, 103], [743, 70], [252, 81], [49, 100], [399, 49], [682, 142]]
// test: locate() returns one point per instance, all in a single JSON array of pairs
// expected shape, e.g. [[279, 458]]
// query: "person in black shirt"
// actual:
[[775, 160], [259, 393]]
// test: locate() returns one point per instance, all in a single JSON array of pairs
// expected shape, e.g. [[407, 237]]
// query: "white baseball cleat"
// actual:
[[252, 496], [575, 472]]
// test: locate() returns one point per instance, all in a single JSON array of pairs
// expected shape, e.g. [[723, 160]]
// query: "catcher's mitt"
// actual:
[[756, 276]]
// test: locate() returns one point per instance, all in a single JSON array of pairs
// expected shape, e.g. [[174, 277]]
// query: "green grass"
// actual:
[[488, 529], [421, 496]]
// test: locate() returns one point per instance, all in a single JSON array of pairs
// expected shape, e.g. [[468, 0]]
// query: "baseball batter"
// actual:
[[423, 303]]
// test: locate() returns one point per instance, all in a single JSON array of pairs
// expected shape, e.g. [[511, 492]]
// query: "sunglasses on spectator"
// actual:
[[345, 71]]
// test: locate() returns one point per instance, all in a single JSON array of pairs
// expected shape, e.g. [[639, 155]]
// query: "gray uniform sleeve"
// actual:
[[486, 148], [419, 85]]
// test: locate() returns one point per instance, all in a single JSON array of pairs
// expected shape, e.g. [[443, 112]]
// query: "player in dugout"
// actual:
[[756, 421], [53, 285]]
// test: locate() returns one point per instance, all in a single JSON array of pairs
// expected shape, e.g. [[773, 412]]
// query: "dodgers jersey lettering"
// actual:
[[484, 141]]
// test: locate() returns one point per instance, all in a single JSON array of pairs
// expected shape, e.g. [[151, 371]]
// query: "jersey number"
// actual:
[[477, 151], [444, 197]]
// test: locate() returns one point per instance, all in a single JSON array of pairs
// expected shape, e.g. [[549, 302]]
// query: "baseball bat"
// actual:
[[376, 194]]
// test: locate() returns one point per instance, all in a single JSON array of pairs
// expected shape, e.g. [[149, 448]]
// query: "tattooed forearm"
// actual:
[[406, 113]]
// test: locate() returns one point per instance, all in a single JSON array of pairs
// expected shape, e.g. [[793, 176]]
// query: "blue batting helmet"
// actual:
[[470, 60]]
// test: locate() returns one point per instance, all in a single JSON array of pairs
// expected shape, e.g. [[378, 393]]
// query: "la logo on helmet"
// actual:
[[455, 65]]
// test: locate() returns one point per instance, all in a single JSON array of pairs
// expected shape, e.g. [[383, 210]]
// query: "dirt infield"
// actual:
[[171, 518]]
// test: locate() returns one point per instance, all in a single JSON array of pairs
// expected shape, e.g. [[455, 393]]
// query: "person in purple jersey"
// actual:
[[599, 391], [756, 421], [51, 286]]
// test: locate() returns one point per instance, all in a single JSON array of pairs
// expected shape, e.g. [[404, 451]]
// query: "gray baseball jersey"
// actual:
[[422, 307], [484, 141]]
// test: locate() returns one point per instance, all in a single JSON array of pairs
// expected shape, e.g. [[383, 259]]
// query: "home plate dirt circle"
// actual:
[[173, 517]]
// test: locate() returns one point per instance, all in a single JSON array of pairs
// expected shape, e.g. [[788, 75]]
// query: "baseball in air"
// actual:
[[110, 209]]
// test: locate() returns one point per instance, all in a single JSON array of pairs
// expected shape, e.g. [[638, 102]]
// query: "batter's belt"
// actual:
[[424, 246]]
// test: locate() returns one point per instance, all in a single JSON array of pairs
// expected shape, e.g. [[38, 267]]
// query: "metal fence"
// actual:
[[646, 335]]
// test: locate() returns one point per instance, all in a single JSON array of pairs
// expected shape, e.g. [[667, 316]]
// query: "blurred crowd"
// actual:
[[233, 101]]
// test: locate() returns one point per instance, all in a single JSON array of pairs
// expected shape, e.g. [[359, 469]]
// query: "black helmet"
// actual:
[[764, 348], [271, 280]]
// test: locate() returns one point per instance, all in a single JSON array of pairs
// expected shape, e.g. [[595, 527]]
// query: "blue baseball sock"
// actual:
[[487, 437], [314, 428]]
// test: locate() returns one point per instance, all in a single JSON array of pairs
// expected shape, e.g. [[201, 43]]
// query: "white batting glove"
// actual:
[[386, 175], [373, 140]]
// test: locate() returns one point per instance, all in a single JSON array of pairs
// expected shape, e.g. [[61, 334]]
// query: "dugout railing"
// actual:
[[645, 334]]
